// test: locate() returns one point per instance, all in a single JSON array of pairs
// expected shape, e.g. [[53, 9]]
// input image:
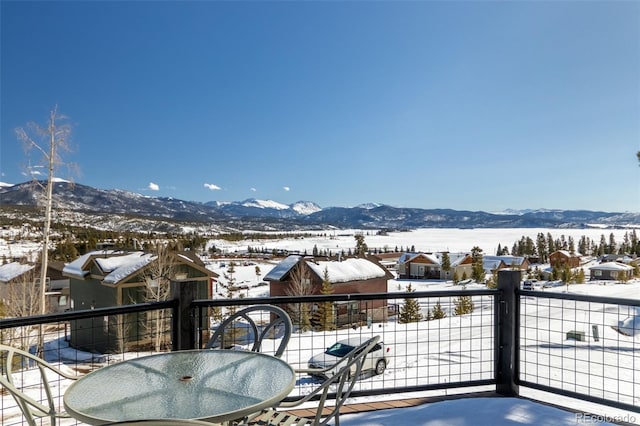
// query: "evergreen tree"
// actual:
[[324, 317], [493, 281], [437, 312], [463, 305], [551, 246], [477, 269], [361, 246], [446, 264], [612, 244], [410, 311], [541, 248]]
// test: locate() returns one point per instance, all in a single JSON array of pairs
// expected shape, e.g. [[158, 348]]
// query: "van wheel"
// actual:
[[380, 366]]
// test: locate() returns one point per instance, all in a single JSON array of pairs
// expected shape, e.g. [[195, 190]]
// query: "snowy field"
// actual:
[[426, 240], [454, 337]]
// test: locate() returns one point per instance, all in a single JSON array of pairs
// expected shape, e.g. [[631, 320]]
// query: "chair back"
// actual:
[[225, 335], [344, 380], [31, 408]]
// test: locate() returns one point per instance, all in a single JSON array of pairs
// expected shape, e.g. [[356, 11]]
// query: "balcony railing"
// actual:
[[556, 342]]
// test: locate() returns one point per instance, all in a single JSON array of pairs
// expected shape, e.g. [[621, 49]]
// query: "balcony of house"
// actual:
[[552, 353]]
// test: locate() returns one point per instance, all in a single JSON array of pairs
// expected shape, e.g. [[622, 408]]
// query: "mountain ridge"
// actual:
[[271, 215]]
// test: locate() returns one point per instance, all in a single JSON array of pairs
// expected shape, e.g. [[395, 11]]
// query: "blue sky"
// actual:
[[464, 105]]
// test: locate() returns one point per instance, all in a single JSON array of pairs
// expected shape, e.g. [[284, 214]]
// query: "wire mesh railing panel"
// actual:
[[427, 342], [76, 346], [580, 347]]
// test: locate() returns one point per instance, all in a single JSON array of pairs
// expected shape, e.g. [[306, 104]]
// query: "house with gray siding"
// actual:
[[108, 278]]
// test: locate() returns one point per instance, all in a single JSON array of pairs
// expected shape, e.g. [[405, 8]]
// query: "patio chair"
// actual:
[[344, 381], [223, 337], [31, 407]]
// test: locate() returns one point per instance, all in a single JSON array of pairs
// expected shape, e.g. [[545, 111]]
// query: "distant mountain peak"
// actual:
[[264, 204], [369, 206], [305, 207]]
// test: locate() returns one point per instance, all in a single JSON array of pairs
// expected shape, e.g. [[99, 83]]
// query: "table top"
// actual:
[[212, 385]]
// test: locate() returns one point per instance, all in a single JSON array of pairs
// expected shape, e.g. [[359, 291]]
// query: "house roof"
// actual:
[[508, 260], [118, 265], [13, 270], [353, 269], [348, 270], [282, 268], [78, 267], [410, 257], [612, 266], [566, 253]]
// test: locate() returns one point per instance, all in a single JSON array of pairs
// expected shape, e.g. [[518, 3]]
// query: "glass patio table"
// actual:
[[212, 385]]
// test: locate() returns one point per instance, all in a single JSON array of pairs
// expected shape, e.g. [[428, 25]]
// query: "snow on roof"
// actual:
[[567, 253], [348, 270], [612, 266], [13, 270], [120, 267], [457, 258], [282, 268], [113, 262], [75, 268], [508, 260]]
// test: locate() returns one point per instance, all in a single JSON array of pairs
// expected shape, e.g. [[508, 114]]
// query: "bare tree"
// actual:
[[22, 300], [300, 286], [48, 142], [157, 278]]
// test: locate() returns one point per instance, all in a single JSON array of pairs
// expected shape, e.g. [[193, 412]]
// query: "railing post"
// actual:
[[184, 328], [506, 359]]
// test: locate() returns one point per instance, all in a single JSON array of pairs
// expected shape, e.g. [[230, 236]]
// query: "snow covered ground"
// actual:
[[620, 354]]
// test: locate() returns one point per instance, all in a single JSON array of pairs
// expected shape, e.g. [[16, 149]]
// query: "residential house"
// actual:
[[107, 278], [493, 264], [611, 271], [419, 266], [561, 258], [429, 266], [351, 275], [57, 285], [389, 260]]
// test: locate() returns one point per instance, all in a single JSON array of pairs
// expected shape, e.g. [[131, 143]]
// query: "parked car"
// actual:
[[376, 360]]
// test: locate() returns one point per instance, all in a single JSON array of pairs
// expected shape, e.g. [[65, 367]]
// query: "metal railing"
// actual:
[[561, 343]]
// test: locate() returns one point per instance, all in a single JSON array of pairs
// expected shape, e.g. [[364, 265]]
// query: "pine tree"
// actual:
[[410, 311], [463, 305], [324, 317], [437, 312], [446, 264], [477, 269], [361, 246]]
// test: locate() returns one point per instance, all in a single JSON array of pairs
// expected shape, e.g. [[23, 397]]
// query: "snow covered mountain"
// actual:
[[102, 206]]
